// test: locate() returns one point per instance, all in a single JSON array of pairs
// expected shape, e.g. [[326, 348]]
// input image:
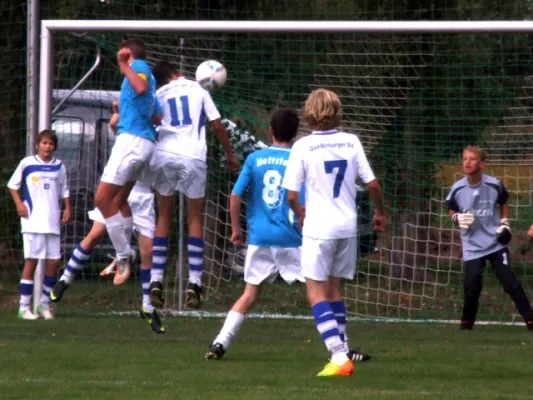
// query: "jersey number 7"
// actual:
[[340, 166], [173, 108]]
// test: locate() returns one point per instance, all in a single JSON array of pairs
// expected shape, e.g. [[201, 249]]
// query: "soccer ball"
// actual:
[[211, 75]]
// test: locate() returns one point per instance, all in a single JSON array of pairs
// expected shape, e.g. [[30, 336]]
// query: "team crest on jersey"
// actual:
[[35, 179]]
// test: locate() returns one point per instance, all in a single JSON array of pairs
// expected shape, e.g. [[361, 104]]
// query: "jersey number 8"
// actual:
[[272, 191]]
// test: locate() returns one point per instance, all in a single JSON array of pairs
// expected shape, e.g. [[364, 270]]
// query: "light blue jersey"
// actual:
[[136, 110], [271, 222]]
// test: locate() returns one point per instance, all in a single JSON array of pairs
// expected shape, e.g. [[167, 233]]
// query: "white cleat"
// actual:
[[110, 269], [45, 313], [27, 315], [123, 271]]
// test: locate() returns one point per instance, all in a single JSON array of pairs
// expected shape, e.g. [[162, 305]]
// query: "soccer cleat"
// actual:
[[56, 294], [123, 271], [215, 352], [27, 315], [111, 268], [45, 313], [466, 326], [529, 325], [332, 369], [193, 296], [354, 356], [156, 294], [153, 320]]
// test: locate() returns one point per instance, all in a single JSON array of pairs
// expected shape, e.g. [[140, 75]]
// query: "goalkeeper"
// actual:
[[478, 205]]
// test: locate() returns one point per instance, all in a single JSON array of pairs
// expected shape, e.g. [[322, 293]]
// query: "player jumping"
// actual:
[[274, 237], [179, 164], [43, 180], [131, 152], [328, 162], [478, 205]]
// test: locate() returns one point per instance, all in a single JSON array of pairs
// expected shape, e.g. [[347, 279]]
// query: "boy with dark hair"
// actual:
[[43, 180], [478, 205]]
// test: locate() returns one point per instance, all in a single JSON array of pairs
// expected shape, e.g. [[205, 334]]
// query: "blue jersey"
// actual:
[[136, 110], [271, 222]]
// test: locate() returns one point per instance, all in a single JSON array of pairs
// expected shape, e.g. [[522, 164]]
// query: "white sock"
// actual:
[[128, 227], [117, 234], [195, 277], [230, 328], [339, 357]]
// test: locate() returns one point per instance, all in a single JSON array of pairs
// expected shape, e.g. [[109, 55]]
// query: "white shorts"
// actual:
[[42, 246], [142, 210], [324, 258], [129, 160], [262, 264], [171, 173]]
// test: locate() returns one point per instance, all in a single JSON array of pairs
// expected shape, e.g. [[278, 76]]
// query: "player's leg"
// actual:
[[259, 267], [79, 258], [33, 249], [317, 260], [195, 251], [53, 257], [501, 264], [148, 311], [343, 267], [473, 284], [165, 205]]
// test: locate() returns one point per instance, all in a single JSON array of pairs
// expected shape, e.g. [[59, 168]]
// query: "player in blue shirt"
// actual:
[[132, 150]]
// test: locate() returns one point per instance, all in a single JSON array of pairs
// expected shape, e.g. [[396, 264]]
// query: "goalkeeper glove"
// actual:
[[463, 220], [503, 233]]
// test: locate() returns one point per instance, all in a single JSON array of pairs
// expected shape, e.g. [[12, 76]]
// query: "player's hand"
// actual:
[[301, 217], [463, 220], [22, 210], [66, 216], [236, 237], [503, 232], [233, 162], [379, 223], [530, 232], [123, 56]]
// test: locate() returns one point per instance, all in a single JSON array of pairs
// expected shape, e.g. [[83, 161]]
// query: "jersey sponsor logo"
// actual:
[[342, 145], [271, 161]]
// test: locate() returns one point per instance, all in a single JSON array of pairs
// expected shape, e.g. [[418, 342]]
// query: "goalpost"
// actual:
[[398, 82]]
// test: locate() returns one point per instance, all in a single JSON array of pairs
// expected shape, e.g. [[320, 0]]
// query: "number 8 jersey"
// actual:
[[185, 107], [328, 164], [270, 220]]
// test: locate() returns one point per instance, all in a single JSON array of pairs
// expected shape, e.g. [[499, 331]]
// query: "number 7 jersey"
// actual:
[[186, 105], [271, 222], [328, 164]]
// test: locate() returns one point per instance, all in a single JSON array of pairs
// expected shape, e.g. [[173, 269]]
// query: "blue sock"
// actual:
[[327, 326], [48, 284], [75, 264], [339, 309], [159, 259], [195, 251], [26, 290], [145, 275]]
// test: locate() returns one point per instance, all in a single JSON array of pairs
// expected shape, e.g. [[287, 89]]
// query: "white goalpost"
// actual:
[[372, 294]]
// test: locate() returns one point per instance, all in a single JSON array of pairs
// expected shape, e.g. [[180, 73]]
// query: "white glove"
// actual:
[[464, 220], [504, 225]]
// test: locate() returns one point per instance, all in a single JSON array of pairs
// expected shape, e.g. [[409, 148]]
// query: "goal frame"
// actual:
[[49, 27]]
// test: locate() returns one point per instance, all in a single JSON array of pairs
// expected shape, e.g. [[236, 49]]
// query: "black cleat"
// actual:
[[157, 299], [356, 356], [466, 326], [59, 289], [215, 352], [193, 296], [153, 319]]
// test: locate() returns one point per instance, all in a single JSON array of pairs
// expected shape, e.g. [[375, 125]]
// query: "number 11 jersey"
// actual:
[[271, 222], [328, 164], [186, 105]]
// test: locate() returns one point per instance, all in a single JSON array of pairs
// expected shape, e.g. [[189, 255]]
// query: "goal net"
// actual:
[[414, 99]]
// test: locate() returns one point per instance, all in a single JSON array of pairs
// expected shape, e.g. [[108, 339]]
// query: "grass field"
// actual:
[[103, 357]]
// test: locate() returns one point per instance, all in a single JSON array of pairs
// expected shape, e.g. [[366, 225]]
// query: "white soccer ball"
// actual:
[[211, 75]]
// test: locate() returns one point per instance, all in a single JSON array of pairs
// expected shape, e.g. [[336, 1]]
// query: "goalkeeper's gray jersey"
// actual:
[[482, 200]]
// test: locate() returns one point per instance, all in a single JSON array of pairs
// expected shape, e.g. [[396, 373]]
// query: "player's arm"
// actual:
[[14, 185], [136, 74], [157, 115], [113, 123], [235, 200], [65, 194], [220, 131], [503, 232], [293, 181]]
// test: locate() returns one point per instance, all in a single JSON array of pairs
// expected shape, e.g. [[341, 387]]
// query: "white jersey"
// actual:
[[328, 164], [43, 184], [185, 107]]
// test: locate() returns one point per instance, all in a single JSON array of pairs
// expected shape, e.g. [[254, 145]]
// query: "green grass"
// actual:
[[102, 357]]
